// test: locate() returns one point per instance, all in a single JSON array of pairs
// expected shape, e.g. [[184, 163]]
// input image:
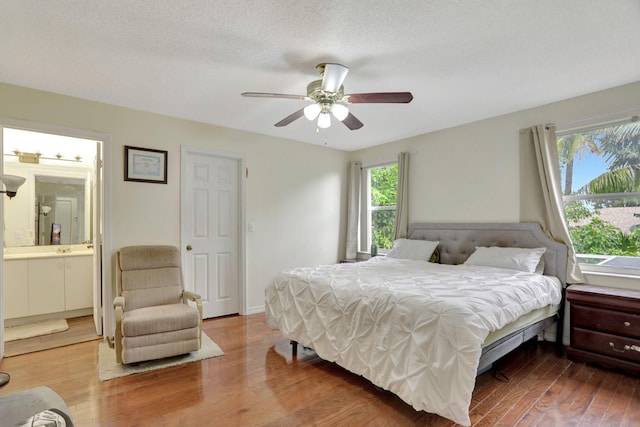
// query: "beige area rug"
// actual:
[[31, 330], [108, 368]]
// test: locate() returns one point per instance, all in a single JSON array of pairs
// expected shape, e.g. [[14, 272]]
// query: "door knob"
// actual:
[[189, 247]]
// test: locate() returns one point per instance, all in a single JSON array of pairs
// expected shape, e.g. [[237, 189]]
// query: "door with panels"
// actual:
[[210, 229]]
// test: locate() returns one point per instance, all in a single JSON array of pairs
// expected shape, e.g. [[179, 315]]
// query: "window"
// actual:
[[379, 190], [600, 169]]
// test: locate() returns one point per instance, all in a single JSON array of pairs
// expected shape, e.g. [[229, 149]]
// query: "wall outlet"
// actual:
[[251, 227]]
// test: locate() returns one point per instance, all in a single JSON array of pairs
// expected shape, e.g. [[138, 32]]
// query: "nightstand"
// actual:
[[605, 327]]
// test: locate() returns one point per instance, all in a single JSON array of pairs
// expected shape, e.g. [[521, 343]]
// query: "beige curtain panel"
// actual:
[[402, 201], [547, 207], [353, 209]]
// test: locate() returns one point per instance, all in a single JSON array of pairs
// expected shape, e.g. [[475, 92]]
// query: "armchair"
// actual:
[[153, 317]]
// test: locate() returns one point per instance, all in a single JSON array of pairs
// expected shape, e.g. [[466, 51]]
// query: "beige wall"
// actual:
[[294, 192], [477, 172]]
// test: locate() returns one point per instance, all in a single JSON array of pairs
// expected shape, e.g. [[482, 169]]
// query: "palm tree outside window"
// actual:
[[601, 185]]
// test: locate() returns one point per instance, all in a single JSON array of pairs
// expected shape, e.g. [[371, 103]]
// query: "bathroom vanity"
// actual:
[[49, 279]]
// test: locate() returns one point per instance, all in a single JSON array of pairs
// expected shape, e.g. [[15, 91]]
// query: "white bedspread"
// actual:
[[411, 327]]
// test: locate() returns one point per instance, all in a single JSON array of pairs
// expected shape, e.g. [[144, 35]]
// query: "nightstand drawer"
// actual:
[[606, 320], [610, 345]]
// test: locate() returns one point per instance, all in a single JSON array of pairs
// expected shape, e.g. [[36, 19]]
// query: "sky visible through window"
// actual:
[[585, 169]]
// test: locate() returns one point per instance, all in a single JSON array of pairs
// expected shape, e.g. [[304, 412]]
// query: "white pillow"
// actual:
[[420, 250], [513, 258]]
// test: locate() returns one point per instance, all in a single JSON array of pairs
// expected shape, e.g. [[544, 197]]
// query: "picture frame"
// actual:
[[145, 165], [56, 230]]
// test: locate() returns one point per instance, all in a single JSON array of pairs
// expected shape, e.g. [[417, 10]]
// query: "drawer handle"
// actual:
[[627, 324], [626, 348]]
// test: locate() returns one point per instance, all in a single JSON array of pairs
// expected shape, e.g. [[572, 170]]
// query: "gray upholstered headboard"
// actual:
[[458, 241]]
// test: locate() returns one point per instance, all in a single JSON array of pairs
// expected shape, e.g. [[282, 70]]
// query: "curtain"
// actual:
[[402, 200], [550, 212], [353, 209]]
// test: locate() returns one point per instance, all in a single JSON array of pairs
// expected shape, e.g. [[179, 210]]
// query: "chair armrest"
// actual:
[[191, 296], [118, 302]]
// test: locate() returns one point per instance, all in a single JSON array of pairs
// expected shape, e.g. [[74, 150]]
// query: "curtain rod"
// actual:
[[634, 113]]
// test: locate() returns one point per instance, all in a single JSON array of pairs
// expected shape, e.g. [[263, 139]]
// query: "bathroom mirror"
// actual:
[[49, 196], [54, 205], [60, 211]]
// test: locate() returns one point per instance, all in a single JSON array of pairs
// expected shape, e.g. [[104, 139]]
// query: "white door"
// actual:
[[65, 215], [210, 229]]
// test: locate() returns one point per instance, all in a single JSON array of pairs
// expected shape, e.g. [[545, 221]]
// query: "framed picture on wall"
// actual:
[[145, 165]]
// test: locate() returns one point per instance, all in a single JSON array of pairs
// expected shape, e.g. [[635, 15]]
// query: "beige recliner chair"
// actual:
[[153, 318]]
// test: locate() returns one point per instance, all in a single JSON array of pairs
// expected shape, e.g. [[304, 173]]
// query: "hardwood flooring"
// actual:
[[81, 329], [257, 382]]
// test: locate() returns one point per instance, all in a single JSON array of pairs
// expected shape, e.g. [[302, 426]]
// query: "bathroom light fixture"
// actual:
[[45, 210], [11, 184]]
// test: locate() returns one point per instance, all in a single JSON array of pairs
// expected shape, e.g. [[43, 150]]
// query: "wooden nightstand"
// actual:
[[605, 327]]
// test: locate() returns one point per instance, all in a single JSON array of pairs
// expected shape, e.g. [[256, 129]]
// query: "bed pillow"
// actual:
[[420, 250], [528, 260]]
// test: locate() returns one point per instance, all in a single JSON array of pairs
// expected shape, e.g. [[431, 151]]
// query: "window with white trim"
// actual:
[[600, 169], [379, 194]]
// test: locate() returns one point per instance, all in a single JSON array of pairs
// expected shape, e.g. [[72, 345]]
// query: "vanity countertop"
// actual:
[[46, 252]]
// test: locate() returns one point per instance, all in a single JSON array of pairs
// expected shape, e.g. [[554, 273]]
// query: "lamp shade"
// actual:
[[311, 111], [340, 111], [324, 120], [12, 183]]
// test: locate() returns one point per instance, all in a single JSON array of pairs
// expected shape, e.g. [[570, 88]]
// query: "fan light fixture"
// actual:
[[11, 184], [321, 112]]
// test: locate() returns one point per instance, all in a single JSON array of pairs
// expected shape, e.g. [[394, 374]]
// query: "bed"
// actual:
[[423, 329]]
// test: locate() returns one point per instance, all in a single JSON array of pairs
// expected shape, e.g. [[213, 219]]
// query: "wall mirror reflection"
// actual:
[[54, 206]]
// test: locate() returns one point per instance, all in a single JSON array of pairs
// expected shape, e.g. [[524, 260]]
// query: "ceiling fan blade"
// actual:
[[380, 97], [334, 75], [352, 122], [273, 95], [290, 118]]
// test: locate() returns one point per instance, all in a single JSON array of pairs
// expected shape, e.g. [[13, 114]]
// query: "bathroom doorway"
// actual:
[[52, 227]]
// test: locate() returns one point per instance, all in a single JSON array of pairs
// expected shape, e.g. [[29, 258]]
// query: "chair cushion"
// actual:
[[148, 257], [158, 286], [158, 319]]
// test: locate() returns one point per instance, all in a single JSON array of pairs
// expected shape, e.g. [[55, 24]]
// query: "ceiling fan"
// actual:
[[328, 96]]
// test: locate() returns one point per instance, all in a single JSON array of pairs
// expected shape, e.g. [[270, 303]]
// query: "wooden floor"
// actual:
[[258, 383], [81, 329]]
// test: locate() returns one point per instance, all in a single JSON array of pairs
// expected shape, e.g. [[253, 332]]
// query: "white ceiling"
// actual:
[[463, 60]]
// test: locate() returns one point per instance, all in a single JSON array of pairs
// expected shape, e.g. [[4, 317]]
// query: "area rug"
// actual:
[[108, 368], [31, 330]]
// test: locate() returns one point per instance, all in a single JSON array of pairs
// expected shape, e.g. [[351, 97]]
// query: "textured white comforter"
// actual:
[[411, 327]]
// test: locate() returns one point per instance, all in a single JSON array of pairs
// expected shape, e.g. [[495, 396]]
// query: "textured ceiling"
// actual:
[[463, 60]]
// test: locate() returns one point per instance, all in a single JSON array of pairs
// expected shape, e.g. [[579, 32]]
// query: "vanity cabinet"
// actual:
[[16, 289], [78, 282], [47, 285]]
